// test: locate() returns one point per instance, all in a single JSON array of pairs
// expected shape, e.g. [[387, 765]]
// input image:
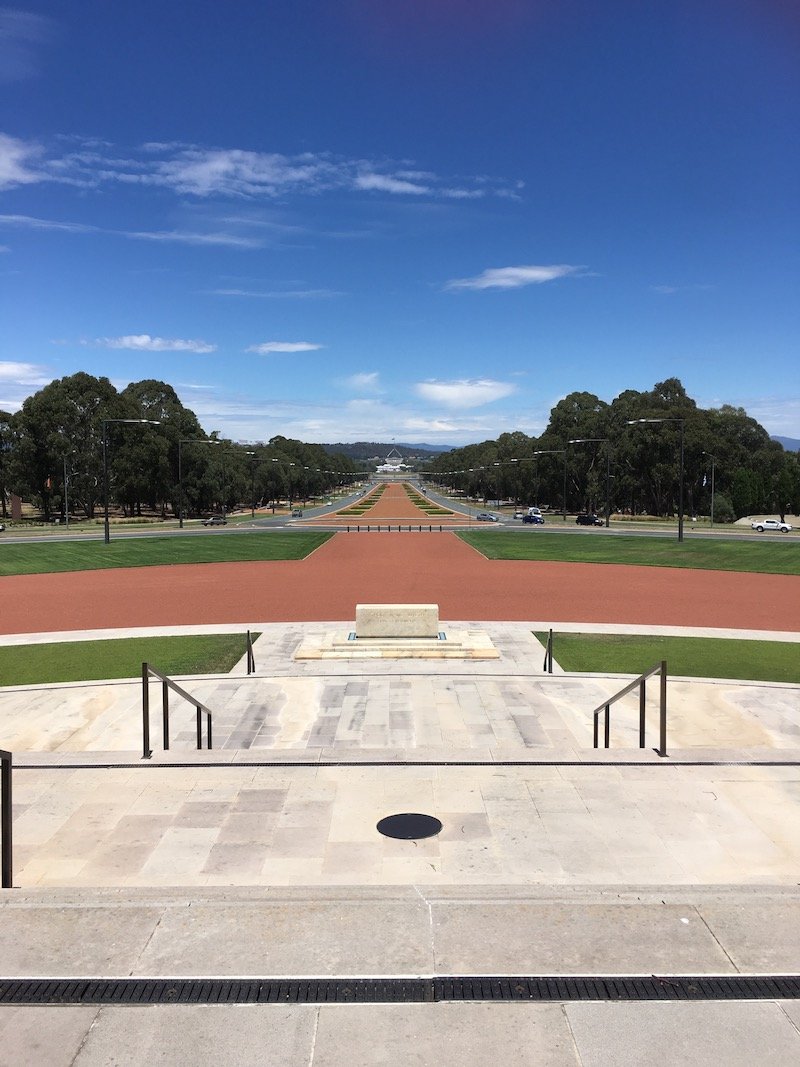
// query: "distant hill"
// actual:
[[378, 450], [791, 444]]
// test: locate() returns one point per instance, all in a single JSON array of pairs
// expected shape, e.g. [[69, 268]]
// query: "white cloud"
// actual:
[[225, 240], [464, 393], [364, 383], [283, 346], [385, 183], [21, 33], [198, 171], [143, 342], [276, 294], [514, 277], [15, 157], [23, 373]]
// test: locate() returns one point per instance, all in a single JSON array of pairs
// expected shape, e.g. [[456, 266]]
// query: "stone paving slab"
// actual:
[[564, 824], [550, 1035], [399, 931]]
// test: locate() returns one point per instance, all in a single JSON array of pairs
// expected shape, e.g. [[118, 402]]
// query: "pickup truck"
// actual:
[[770, 524]]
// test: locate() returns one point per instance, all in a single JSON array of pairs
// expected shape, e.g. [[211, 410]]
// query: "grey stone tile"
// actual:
[[43, 1035], [188, 1035], [557, 937], [431, 1035], [683, 1035]]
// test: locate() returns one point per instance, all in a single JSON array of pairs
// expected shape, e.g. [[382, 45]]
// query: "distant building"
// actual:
[[392, 464]]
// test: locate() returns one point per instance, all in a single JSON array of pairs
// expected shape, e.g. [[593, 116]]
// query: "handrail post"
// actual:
[[662, 747], [596, 729], [5, 821], [642, 702], [607, 737], [208, 731], [165, 712], [199, 728], [147, 752]]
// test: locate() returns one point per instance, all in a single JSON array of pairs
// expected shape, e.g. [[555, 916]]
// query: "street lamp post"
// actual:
[[188, 441], [106, 423], [633, 422], [252, 483], [713, 471], [558, 452], [600, 440]]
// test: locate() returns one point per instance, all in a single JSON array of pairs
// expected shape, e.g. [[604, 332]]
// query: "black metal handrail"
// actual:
[[5, 820], [166, 685], [251, 659], [548, 654], [661, 669]]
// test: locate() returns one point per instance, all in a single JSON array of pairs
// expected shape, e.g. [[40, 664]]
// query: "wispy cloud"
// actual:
[[514, 277], [385, 183], [21, 36], [204, 172], [23, 373], [464, 393], [368, 382], [668, 290], [16, 158], [276, 294], [188, 237], [143, 342], [268, 347]]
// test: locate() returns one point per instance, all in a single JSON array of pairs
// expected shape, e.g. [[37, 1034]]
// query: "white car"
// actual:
[[770, 524]]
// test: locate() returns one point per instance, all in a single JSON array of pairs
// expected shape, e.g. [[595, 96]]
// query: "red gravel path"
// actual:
[[397, 568]]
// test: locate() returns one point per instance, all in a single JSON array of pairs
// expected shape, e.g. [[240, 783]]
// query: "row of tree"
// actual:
[[54, 445], [589, 444]]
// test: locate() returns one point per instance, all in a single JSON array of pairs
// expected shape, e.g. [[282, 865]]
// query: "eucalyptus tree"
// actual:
[[63, 419]]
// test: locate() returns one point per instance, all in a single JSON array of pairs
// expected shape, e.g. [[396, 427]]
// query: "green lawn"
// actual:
[[692, 657], [46, 557], [764, 557], [79, 661]]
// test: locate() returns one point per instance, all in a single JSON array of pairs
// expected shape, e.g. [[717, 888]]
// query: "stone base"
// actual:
[[454, 644]]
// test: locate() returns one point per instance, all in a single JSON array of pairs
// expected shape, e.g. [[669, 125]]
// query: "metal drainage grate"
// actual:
[[133, 991], [409, 826]]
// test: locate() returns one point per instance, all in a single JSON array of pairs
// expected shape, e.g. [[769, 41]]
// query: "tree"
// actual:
[[63, 421], [5, 457]]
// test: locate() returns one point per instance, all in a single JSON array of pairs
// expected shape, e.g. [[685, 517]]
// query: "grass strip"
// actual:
[[83, 661], [691, 657], [59, 556], [758, 557]]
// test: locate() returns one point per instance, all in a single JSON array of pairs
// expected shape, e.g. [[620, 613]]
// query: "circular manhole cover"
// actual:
[[409, 826]]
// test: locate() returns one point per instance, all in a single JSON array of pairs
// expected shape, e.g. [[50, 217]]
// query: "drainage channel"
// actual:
[[139, 991]]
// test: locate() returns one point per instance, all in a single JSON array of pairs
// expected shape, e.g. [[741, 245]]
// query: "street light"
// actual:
[[558, 452], [106, 423], [188, 441], [600, 440], [713, 471], [633, 422], [252, 483]]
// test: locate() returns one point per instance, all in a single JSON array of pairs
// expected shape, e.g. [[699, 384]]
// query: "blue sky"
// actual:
[[426, 221]]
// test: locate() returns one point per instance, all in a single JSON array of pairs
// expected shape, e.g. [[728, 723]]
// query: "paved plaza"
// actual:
[[262, 857]]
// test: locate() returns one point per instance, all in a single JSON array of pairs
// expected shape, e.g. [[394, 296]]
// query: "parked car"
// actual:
[[770, 524], [519, 514], [297, 513], [484, 516], [215, 520], [2, 526], [534, 518], [588, 520]]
